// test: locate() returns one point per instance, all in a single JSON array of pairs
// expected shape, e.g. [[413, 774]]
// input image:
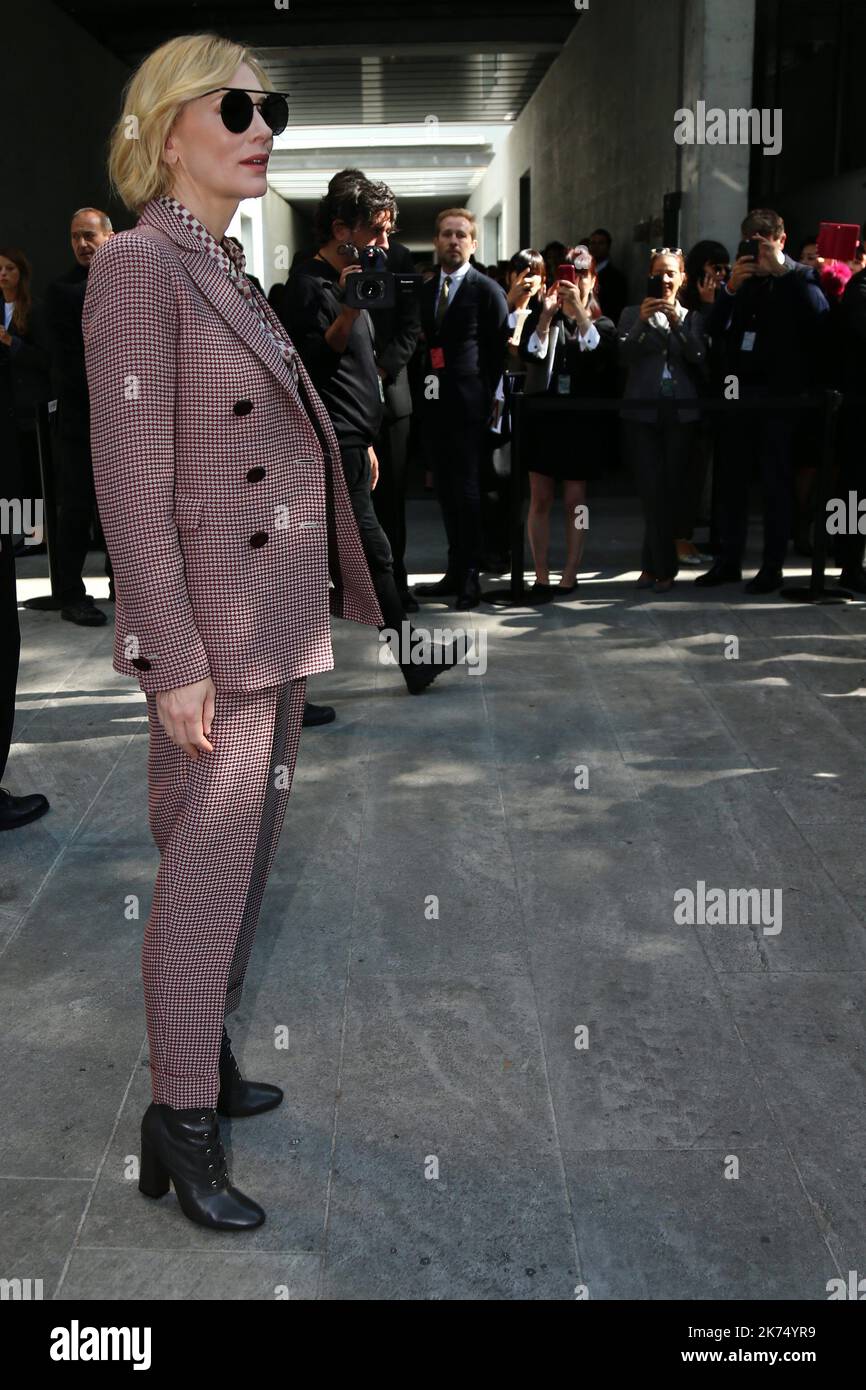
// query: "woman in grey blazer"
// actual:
[[664, 348]]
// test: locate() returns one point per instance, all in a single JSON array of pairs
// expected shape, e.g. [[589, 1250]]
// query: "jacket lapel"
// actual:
[[215, 285]]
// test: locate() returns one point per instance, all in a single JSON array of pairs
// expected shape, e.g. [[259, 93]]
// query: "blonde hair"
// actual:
[[458, 212], [174, 73]]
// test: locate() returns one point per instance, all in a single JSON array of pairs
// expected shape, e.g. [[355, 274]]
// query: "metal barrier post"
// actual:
[[516, 591]]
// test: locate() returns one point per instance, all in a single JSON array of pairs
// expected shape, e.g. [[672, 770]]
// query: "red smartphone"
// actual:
[[568, 272], [838, 241]]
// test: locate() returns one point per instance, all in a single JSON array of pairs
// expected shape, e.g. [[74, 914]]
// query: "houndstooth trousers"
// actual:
[[216, 821]]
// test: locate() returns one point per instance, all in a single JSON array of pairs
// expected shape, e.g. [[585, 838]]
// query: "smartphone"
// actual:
[[568, 272], [655, 287], [751, 250], [838, 241]]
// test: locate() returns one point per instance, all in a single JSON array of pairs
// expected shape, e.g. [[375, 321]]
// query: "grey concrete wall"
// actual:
[[598, 134], [52, 164], [718, 63]]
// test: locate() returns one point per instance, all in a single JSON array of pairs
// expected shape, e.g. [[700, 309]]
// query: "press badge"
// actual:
[[563, 384], [749, 342], [437, 359]]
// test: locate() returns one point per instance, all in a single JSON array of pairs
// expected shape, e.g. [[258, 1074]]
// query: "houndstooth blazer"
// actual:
[[217, 472]]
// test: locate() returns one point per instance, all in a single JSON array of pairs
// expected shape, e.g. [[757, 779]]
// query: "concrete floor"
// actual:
[[446, 1133]]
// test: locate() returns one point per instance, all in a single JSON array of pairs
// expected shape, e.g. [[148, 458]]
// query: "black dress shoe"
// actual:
[[409, 602], [766, 581], [184, 1147], [20, 810], [719, 574], [854, 580], [318, 714], [417, 677], [446, 587], [84, 612], [238, 1097], [470, 592]]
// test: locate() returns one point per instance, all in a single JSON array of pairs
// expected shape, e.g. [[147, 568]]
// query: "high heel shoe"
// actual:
[[237, 1097], [184, 1147]]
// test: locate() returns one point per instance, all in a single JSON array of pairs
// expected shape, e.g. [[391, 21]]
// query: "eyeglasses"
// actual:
[[666, 251], [237, 107]]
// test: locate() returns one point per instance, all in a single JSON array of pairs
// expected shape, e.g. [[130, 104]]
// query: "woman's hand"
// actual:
[[669, 308], [524, 288], [708, 286], [573, 303], [549, 306], [5, 338], [652, 306], [186, 714]]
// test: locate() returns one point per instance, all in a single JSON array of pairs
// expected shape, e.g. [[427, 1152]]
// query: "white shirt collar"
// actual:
[[454, 274]]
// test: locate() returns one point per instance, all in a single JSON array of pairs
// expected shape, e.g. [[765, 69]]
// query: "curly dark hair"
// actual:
[[351, 198]]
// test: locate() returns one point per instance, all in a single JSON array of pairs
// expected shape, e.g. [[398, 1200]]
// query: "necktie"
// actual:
[[443, 300]]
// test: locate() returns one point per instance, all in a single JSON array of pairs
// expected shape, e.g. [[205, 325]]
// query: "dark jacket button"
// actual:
[[141, 663], [242, 407], [255, 475], [260, 538]]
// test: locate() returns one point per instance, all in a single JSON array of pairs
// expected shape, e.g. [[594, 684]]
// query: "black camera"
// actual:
[[377, 287]]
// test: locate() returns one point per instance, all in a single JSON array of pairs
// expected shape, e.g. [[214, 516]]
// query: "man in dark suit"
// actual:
[[464, 316], [611, 285], [64, 304], [336, 342], [397, 331], [769, 333]]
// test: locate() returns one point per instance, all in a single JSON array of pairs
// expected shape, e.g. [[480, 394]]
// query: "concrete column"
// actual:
[[719, 44]]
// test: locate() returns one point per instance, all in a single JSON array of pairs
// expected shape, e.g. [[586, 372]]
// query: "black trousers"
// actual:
[[659, 455], [24, 478], [356, 468], [76, 505], [10, 647], [389, 497], [851, 453], [765, 441], [456, 445]]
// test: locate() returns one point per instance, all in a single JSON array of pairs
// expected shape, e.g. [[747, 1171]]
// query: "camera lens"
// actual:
[[371, 289]]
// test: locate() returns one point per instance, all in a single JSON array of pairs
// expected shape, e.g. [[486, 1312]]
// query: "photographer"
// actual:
[[336, 344], [850, 329], [397, 333], [664, 347], [766, 324], [572, 352], [708, 265]]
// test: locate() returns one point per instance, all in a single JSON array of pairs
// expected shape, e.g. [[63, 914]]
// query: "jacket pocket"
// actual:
[[187, 512]]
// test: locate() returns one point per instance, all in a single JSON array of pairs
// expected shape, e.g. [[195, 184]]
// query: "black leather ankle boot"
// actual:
[[184, 1147], [238, 1097]]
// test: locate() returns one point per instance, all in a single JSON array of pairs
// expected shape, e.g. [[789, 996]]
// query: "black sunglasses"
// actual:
[[237, 107]]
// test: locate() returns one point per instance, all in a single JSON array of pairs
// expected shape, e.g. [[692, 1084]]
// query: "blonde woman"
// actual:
[[223, 502]]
